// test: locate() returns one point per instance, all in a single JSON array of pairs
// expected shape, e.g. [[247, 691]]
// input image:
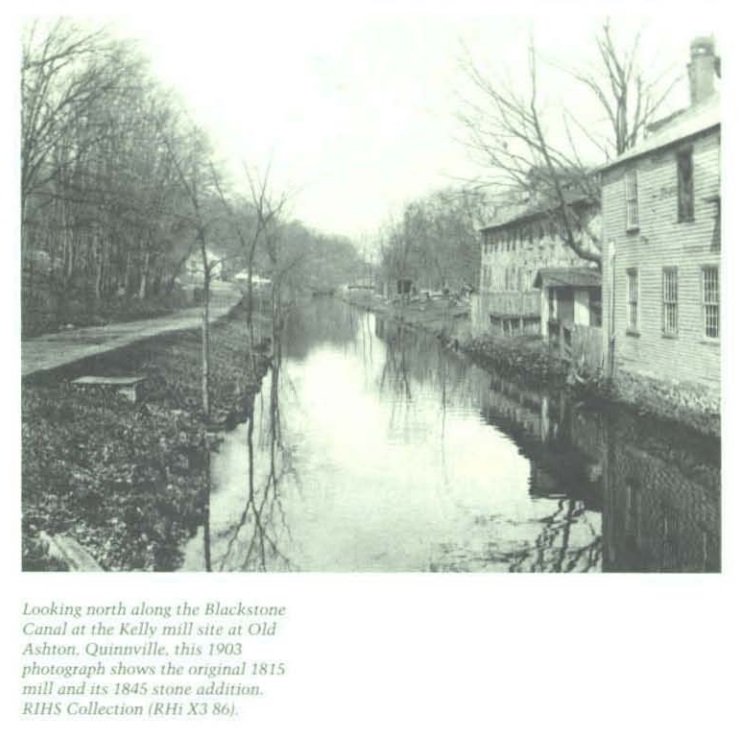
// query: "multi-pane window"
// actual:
[[711, 301], [685, 185], [632, 300], [632, 200], [669, 301]]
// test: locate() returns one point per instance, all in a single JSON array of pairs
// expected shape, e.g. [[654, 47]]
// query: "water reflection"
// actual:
[[371, 448], [254, 541], [661, 495]]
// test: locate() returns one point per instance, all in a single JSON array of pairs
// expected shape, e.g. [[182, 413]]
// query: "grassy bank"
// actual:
[[124, 479]]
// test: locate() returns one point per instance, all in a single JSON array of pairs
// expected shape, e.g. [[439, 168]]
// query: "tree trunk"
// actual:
[[144, 284], [250, 308], [100, 272], [206, 509], [127, 276], [205, 363]]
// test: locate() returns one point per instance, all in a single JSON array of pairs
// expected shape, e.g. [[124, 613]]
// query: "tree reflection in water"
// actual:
[[253, 541], [463, 470], [394, 376], [553, 551]]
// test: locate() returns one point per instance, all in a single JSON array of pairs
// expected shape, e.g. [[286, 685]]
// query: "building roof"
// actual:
[[534, 211], [698, 118], [567, 276], [255, 278]]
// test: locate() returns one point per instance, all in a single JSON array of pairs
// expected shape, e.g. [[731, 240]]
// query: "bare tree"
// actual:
[[100, 197], [190, 157], [630, 99], [265, 211], [65, 73], [117, 193], [529, 150], [435, 240]]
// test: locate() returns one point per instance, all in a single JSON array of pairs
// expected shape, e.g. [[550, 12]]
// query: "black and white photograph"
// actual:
[[329, 317], [392, 293]]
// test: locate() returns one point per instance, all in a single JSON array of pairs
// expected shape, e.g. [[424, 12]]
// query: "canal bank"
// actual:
[[448, 320], [123, 479], [529, 358]]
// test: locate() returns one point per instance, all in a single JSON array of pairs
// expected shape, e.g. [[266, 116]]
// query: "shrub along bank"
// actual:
[[125, 479], [524, 356]]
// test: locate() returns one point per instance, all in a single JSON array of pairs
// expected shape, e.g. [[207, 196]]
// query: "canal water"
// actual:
[[372, 448]]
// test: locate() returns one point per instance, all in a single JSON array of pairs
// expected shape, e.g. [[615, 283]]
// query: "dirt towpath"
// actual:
[[47, 352]]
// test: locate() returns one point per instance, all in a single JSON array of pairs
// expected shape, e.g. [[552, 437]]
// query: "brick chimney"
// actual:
[[702, 68]]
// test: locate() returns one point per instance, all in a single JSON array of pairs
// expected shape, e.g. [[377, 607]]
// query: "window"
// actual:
[[632, 201], [510, 276], [685, 185], [596, 312], [632, 305], [486, 276], [669, 301], [711, 301]]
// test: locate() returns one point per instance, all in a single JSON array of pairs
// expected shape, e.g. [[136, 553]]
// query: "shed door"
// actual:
[[565, 305]]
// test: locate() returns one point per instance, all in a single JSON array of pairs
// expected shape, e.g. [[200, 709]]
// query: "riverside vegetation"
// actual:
[[527, 358], [126, 479]]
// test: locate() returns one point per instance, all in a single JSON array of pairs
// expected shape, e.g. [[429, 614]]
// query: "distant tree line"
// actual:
[[119, 187], [434, 241]]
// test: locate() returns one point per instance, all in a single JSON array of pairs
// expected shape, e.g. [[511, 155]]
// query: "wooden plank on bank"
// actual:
[[128, 386]]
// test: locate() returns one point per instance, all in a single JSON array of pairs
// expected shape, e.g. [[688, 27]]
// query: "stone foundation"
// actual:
[[694, 404]]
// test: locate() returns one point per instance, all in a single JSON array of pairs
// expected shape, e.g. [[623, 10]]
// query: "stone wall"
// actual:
[[695, 404]]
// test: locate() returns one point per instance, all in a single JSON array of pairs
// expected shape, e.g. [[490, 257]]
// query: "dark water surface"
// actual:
[[374, 449]]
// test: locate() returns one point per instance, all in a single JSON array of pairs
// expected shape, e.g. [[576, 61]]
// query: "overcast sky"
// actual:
[[356, 107]]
